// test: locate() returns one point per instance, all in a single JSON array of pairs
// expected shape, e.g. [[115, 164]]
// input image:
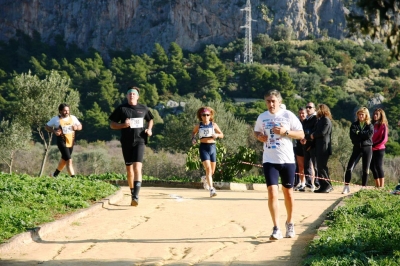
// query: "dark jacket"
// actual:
[[308, 127], [361, 136], [323, 136]]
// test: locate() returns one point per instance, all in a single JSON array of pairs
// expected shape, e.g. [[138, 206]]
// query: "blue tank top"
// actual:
[[206, 131]]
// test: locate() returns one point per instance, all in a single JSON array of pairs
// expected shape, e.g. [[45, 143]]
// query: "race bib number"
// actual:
[[273, 141], [67, 129], [206, 132], [136, 122]]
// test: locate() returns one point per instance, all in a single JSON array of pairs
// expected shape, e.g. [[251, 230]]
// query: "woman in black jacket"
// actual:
[[322, 136], [361, 132]]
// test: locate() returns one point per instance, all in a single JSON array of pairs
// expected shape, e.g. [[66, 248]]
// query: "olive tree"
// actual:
[[38, 101], [13, 137]]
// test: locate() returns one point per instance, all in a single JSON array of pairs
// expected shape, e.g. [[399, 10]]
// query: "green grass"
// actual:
[[111, 176], [365, 231], [26, 202]]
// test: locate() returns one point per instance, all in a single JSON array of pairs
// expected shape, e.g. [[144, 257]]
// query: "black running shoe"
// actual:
[[134, 202]]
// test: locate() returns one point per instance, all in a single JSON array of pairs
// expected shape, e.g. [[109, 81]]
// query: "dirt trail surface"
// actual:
[[177, 226]]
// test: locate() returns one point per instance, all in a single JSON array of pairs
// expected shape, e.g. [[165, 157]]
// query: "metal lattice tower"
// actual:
[[248, 45]]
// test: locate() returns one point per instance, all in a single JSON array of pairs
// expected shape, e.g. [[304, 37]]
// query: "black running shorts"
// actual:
[[65, 151], [133, 152]]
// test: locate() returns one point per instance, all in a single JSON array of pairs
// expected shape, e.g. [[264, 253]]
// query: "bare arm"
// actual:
[[298, 134], [149, 128], [260, 136], [218, 132], [194, 132], [115, 125], [77, 127], [294, 134], [56, 131]]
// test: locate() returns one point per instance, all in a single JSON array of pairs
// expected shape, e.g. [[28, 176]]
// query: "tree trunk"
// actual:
[[11, 161], [46, 149]]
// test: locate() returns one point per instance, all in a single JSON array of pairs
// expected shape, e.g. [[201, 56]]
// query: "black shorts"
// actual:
[[133, 152], [273, 171], [65, 151], [208, 151], [298, 150]]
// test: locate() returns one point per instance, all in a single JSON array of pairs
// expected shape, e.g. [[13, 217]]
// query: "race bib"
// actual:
[[206, 132], [273, 141], [136, 122], [67, 129]]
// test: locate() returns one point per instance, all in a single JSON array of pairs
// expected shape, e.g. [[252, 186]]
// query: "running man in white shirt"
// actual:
[[276, 128]]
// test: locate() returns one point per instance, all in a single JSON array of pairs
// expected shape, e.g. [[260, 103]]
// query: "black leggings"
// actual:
[[365, 153], [377, 163]]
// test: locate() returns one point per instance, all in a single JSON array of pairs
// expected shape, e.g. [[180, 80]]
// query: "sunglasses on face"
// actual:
[[205, 115], [309, 107]]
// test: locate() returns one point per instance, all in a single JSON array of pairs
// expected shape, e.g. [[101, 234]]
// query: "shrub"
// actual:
[[299, 61], [375, 89], [330, 62], [362, 70], [394, 72], [340, 81]]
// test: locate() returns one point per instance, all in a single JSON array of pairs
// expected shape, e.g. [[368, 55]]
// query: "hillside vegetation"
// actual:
[[340, 73]]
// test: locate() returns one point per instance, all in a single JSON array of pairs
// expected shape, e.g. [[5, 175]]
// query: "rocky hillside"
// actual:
[[137, 25]]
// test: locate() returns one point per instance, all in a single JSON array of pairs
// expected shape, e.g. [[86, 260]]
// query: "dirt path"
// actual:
[[174, 226]]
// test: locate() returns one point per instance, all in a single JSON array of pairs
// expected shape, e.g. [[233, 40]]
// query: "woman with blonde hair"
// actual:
[[322, 136], [208, 132], [379, 140], [361, 132]]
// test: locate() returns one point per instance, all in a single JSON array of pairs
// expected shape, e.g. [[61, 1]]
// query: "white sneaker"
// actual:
[[276, 234], [299, 186], [312, 188], [290, 230], [212, 192], [346, 189], [205, 184]]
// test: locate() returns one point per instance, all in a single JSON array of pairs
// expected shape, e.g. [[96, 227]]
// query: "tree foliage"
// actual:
[[13, 137]]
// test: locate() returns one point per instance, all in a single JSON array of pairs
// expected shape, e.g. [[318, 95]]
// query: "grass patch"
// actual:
[[26, 202], [112, 176], [366, 231]]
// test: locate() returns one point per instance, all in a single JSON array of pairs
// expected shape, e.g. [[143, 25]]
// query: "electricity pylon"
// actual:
[[248, 44]]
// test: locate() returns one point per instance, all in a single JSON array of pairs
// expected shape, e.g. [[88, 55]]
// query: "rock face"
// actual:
[[138, 24]]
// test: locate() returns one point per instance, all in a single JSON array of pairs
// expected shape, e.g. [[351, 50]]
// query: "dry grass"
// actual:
[[100, 157]]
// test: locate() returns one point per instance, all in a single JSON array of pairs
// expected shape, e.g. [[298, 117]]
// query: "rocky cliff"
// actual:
[[138, 24]]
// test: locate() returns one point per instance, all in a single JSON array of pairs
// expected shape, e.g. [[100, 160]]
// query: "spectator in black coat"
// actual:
[[322, 136], [361, 132], [309, 147]]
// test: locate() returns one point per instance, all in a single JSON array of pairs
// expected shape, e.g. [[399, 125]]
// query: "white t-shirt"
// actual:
[[55, 121], [278, 148]]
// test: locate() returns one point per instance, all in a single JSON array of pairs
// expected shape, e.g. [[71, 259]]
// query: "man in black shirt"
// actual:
[[129, 118], [310, 162]]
